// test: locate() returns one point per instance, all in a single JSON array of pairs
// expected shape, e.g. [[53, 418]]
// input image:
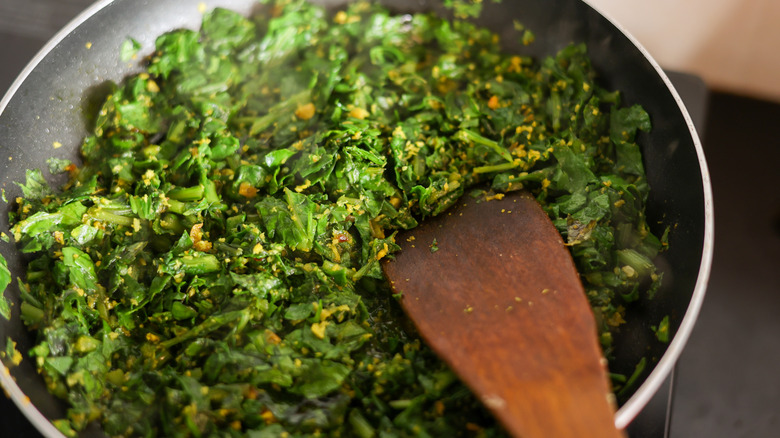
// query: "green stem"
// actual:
[[469, 135], [210, 192], [103, 215], [31, 314], [495, 168], [176, 206], [212, 323], [638, 370], [200, 264], [641, 264], [187, 193], [37, 275]]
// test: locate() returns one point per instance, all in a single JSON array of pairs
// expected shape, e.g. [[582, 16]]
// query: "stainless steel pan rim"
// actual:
[[630, 408], [22, 401], [663, 369]]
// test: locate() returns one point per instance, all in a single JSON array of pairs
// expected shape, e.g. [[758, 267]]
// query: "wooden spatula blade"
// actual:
[[493, 290]]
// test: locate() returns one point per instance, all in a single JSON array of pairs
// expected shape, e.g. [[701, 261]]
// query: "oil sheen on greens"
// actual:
[[213, 268]]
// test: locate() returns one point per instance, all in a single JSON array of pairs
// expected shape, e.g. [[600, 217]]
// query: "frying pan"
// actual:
[[49, 100]]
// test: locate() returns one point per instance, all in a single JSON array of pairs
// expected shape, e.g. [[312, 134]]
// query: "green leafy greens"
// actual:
[[5, 280], [213, 268]]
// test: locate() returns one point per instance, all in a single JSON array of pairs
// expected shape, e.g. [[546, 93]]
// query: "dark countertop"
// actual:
[[726, 382], [728, 379]]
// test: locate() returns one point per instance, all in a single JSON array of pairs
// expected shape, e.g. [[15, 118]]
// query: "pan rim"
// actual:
[[20, 399], [666, 364], [7, 382], [662, 369]]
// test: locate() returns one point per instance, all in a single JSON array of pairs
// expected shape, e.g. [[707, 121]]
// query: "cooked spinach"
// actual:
[[213, 267]]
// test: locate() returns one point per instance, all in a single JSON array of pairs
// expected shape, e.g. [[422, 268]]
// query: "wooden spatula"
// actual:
[[493, 290]]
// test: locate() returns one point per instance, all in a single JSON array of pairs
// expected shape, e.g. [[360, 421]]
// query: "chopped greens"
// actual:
[[129, 49], [5, 280], [213, 267], [662, 330], [57, 165]]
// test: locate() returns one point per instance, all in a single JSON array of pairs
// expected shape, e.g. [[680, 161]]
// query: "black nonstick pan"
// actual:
[[48, 102]]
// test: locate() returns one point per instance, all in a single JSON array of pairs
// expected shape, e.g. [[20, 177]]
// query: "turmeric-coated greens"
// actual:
[[213, 267]]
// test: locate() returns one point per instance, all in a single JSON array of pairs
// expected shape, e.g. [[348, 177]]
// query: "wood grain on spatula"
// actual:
[[501, 302]]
